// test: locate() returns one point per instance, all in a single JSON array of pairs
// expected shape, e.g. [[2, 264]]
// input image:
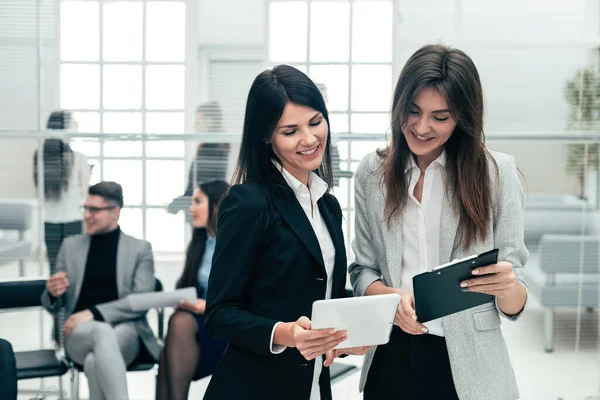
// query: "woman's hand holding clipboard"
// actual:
[[441, 292]]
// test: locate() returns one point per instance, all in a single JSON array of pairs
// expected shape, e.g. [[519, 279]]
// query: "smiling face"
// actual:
[[428, 126], [199, 209], [299, 140]]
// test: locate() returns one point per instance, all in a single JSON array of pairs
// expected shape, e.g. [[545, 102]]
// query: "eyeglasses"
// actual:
[[94, 210]]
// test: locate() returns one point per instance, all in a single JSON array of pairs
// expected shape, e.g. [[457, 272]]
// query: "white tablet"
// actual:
[[368, 319]]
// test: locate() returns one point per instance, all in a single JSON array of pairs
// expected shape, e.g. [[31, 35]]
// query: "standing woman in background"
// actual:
[[436, 193], [189, 353], [66, 181], [279, 248], [211, 159]]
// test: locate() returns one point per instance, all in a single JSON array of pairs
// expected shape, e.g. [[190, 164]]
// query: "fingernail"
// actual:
[[465, 289], [331, 331], [345, 336], [463, 284], [475, 271], [424, 330], [414, 317]]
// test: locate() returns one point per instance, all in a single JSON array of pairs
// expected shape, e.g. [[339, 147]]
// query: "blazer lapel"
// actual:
[[122, 256], [294, 215], [76, 273], [393, 245], [337, 237], [448, 228]]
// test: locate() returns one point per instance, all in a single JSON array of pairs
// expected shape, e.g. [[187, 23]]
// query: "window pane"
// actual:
[[79, 86], [122, 122], [288, 26], [372, 31], [79, 31], [87, 122], [338, 123], [165, 31], [164, 181], [130, 222], [361, 148], [166, 94], [342, 146], [128, 173], [335, 81], [164, 230], [122, 31], [371, 87], [329, 31], [96, 171], [370, 123], [122, 87], [165, 123], [88, 147]]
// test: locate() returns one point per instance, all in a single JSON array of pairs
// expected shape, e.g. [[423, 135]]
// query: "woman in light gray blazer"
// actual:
[[436, 193]]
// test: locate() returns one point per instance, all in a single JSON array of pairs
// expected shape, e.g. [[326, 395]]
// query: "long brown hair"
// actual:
[[454, 75], [214, 190]]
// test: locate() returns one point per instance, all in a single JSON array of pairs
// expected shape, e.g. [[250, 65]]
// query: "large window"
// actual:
[[346, 48], [123, 71]]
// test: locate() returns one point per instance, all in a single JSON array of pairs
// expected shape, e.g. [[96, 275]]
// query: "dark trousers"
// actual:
[[410, 367], [8, 372], [55, 233]]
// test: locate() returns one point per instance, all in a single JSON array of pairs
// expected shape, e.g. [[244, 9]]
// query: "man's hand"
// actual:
[[76, 319], [57, 284]]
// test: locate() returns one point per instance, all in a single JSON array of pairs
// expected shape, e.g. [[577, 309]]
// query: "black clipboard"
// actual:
[[438, 293]]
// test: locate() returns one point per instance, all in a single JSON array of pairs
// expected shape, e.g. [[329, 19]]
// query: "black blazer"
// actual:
[[267, 267]]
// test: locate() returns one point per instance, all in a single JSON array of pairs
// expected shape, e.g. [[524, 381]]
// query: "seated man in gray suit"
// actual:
[[96, 272]]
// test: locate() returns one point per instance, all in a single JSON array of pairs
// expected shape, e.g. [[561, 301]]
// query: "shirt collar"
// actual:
[[317, 186], [441, 160]]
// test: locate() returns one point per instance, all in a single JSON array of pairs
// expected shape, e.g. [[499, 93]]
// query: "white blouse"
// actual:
[[308, 198], [421, 227]]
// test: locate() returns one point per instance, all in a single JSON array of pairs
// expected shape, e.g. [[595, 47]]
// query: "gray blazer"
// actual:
[[479, 360], [135, 273]]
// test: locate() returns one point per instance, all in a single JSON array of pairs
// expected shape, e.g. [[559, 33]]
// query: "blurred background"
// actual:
[[153, 93]]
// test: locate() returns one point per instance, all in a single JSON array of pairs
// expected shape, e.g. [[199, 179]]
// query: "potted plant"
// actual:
[[583, 95]]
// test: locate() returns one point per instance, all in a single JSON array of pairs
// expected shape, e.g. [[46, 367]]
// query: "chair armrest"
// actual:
[[161, 324], [565, 253]]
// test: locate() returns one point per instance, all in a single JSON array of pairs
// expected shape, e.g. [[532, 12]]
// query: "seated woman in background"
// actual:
[[189, 353]]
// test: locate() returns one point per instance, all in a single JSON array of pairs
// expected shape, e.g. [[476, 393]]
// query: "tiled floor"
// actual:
[[565, 374]]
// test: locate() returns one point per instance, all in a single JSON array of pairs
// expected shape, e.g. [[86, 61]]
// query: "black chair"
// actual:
[[143, 362], [21, 294]]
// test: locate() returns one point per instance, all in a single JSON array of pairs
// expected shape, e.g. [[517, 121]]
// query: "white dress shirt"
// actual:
[[68, 207], [421, 227], [308, 197]]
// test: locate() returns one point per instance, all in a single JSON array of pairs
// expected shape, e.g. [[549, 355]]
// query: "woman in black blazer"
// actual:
[[279, 248]]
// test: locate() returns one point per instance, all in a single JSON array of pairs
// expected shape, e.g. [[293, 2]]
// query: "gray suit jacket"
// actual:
[[479, 360], [135, 274]]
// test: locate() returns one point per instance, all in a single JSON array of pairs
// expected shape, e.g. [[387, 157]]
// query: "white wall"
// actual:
[[231, 21], [19, 88]]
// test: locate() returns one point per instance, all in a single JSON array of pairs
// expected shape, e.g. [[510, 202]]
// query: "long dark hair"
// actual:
[[270, 92], [454, 75], [58, 165], [214, 190]]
